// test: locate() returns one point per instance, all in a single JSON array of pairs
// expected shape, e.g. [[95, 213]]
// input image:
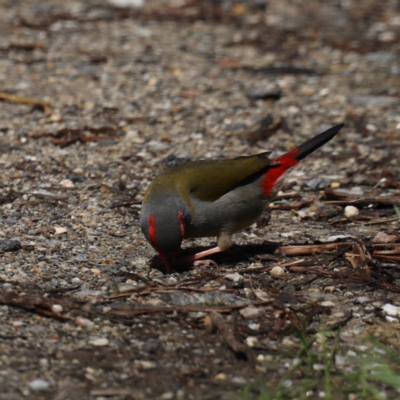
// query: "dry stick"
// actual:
[[237, 347], [111, 392], [153, 310], [28, 304], [160, 289], [291, 206], [381, 221], [266, 268], [45, 105], [309, 249], [335, 197]]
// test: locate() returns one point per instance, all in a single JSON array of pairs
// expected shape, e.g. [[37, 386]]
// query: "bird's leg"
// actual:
[[194, 259], [224, 242]]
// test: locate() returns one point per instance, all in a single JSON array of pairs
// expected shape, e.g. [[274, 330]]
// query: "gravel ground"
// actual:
[[107, 97]]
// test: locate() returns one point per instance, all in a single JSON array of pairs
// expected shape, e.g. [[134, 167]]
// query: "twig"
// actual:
[[10, 197], [291, 206], [37, 306], [160, 289], [283, 265], [45, 105], [236, 346], [182, 309], [337, 197], [309, 249]]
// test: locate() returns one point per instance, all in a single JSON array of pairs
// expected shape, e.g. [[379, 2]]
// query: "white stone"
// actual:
[[126, 3], [59, 230], [391, 310], [67, 183], [251, 312], [236, 277], [351, 212], [252, 341], [167, 396], [57, 308], [277, 272], [328, 303], [99, 342], [39, 384], [83, 321], [254, 327]]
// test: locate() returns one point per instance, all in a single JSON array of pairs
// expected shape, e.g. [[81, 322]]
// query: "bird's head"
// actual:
[[163, 221]]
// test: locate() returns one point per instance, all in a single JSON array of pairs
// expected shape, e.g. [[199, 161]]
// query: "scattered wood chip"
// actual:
[[358, 257], [43, 193], [264, 129], [239, 348], [10, 197], [382, 237], [290, 206], [310, 249], [58, 230], [332, 196], [66, 136], [44, 105]]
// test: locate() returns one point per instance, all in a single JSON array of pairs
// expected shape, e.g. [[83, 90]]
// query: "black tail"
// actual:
[[316, 142]]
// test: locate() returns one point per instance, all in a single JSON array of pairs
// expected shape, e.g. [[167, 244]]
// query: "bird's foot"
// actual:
[[206, 263]]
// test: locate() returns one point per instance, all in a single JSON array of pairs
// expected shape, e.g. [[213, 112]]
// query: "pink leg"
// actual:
[[194, 258], [206, 253]]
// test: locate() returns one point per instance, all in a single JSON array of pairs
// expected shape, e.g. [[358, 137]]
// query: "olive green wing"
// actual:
[[208, 180]]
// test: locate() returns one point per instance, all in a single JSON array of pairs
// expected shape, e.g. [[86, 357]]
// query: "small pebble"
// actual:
[[221, 377], [59, 230], [328, 303], [351, 212], [167, 396], [286, 342], [236, 277], [363, 299], [264, 91], [382, 237], [9, 245], [39, 384], [318, 183], [99, 342], [67, 183], [56, 117], [145, 364], [56, 308], [391, 310], [95, 271], [252, 341], [277, 272], [251, 312], [318, 367], [83, 321]]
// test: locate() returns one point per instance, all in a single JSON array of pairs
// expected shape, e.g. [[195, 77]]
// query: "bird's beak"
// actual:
[[168, 260]]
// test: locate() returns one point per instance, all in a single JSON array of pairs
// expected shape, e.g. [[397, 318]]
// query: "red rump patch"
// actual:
[[271, 177], [181, 224]]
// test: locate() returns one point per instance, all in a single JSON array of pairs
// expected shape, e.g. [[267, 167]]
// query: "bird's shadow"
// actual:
[[234, 255]]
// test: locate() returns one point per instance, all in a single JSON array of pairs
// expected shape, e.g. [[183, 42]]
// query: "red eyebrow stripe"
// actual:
[[181, 224], [152, 230]]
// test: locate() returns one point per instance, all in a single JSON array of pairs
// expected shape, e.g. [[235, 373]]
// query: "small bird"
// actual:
[[215, 198]]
